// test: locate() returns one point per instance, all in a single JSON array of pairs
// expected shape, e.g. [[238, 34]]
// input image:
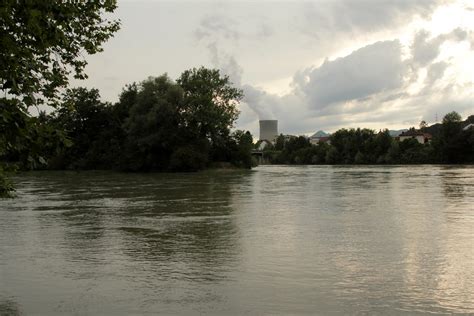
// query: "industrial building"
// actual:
[[268, 130]]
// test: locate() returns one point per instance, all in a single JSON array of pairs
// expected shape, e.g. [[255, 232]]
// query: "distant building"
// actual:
[[468, 127], [421, 137], [319, 137], [268, 130]]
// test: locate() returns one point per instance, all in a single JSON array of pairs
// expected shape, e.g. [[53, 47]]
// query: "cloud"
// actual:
[[353, 17], [435, 72], [219, 25], [381, 84], [366, 71], [426, 49], [367, 87], [264, 31], [370, 87]]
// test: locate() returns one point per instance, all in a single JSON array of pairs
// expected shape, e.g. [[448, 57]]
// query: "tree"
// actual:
[[209, 108], [86, 121], [242, 155], [453, 143], [452, 117], [280, 142], [423, 124], [42, 43], [153, 127]]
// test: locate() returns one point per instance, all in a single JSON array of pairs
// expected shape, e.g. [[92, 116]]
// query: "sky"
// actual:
[[312, 65]]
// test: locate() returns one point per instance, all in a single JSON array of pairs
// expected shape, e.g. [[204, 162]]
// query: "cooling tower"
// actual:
[[268, 130]]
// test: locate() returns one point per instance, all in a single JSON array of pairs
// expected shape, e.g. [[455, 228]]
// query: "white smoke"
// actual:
[[255, 98]]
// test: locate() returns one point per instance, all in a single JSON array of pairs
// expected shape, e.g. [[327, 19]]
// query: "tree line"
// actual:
[[450, 144], [157, 125]]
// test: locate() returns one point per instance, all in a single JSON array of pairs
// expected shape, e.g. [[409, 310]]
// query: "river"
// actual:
[[274, 240]]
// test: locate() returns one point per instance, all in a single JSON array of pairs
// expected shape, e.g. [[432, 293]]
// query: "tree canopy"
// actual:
[[42, 43], [157, 125], [452, 117]]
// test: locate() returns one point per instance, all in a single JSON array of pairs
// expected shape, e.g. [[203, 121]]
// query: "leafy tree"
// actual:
[[42, 43], [188, 158], [470, 120], [332, 156], [280, 142], [393, 154], [153, 127], [452, 117], [319, 157], [451, 142], [209, 108], [86, 121], [359, 158], [381, 145], [241, 155], [349, 142]]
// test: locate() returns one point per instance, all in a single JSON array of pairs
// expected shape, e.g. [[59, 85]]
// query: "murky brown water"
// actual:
[[274, 240]]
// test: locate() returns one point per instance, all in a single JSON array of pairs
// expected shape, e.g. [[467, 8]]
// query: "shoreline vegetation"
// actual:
[[158, 125], [161, 125], [451, 142]]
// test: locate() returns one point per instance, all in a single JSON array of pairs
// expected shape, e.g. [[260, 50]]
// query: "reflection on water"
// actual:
[[275, 240]]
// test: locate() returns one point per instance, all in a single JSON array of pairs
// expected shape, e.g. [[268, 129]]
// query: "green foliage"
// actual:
[[43, 43], [349, 142], [360, 158], [412, 152], [242, 145], [88, 124], [153, 126], [188, 158], [209, 108], [452, 117], [332, 156], [156, 125], [393, 153], [280, 142], [362, 146], [454, 145], [24, 140]]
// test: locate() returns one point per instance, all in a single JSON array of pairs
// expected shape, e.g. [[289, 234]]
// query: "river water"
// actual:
[[274, 240]]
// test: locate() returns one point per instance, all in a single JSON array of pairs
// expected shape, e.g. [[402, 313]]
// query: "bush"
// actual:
[[188, 158]]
